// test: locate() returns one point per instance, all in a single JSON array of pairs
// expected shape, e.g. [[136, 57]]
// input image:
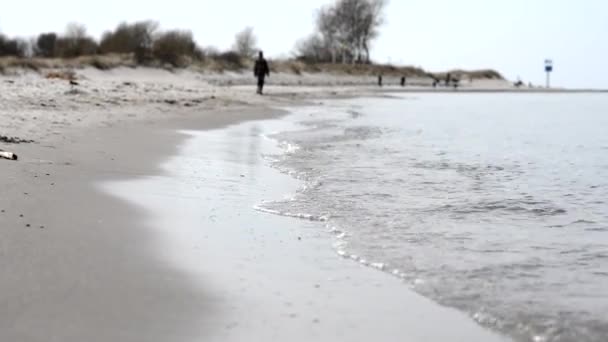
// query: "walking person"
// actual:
[[261, 71]]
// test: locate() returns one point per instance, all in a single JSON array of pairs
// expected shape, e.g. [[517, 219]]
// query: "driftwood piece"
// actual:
[[8, 155]]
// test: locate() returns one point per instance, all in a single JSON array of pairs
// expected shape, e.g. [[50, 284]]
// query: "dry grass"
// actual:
[[220, 63], [61, 75], [299, 67], [33, 64], [105, 62], [485, 74]]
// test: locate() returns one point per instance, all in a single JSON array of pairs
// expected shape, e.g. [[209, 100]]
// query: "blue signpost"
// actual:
[[548, 70]]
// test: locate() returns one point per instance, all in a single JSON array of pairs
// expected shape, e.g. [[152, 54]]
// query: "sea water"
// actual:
[[495, 204]]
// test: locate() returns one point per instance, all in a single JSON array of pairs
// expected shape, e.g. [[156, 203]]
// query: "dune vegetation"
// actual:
[[340, 44]]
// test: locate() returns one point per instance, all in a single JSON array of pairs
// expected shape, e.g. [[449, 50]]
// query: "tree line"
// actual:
[[344, 33], [143, 39]]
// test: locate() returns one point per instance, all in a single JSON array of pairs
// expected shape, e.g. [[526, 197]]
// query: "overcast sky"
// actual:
[[513, 36]]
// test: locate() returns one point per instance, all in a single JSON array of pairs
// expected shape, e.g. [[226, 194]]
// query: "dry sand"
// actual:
[[42, 109], [79, 265]]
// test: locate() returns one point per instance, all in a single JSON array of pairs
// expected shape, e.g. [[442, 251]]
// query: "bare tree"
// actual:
[[13, 47], [76, 42], [359, 22], [143, 33], [128, 38], [174, 47], [210, 51], [373, 19], [313, 49], [348, 15], [45, 45], [75, 31], [245, 43], [348, 27], [328, 25]]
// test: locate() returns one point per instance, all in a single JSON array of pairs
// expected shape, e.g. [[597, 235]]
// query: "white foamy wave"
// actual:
[[302, 216], [378, 265], [340, 245], [268, 136], [484, 318], [271, 158], [288, 147]]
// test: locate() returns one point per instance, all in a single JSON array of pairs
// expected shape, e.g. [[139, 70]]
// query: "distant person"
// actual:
[[403, 81], [261, 71], [435, 82], [379, 80]]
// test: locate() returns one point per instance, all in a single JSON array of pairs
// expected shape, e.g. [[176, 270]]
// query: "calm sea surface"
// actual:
[[495, 204]]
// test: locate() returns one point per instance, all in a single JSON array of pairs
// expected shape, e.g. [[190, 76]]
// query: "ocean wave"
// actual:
[[392, 209], [538, 208], [582, 221], [597, 229], [460, 167]]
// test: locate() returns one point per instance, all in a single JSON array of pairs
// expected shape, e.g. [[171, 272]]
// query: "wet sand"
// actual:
[[76, 264]]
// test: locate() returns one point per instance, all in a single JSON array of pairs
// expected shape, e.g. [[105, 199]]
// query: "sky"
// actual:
[[511, 36]]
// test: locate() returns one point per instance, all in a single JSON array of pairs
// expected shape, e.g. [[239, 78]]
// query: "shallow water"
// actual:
[[494, 204], [267, 277]]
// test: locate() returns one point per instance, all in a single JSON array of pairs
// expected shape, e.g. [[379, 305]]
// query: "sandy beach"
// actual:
[[101, 240], [344, 170]]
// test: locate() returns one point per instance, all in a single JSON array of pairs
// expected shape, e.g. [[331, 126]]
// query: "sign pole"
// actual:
[[548, 70]]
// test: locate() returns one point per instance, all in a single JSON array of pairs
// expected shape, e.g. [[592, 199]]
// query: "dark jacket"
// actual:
[[261, 69]]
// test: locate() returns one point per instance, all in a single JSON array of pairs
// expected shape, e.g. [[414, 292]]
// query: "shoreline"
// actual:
[[273, 277], [543, 91], [86, 263], [88, 267]]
